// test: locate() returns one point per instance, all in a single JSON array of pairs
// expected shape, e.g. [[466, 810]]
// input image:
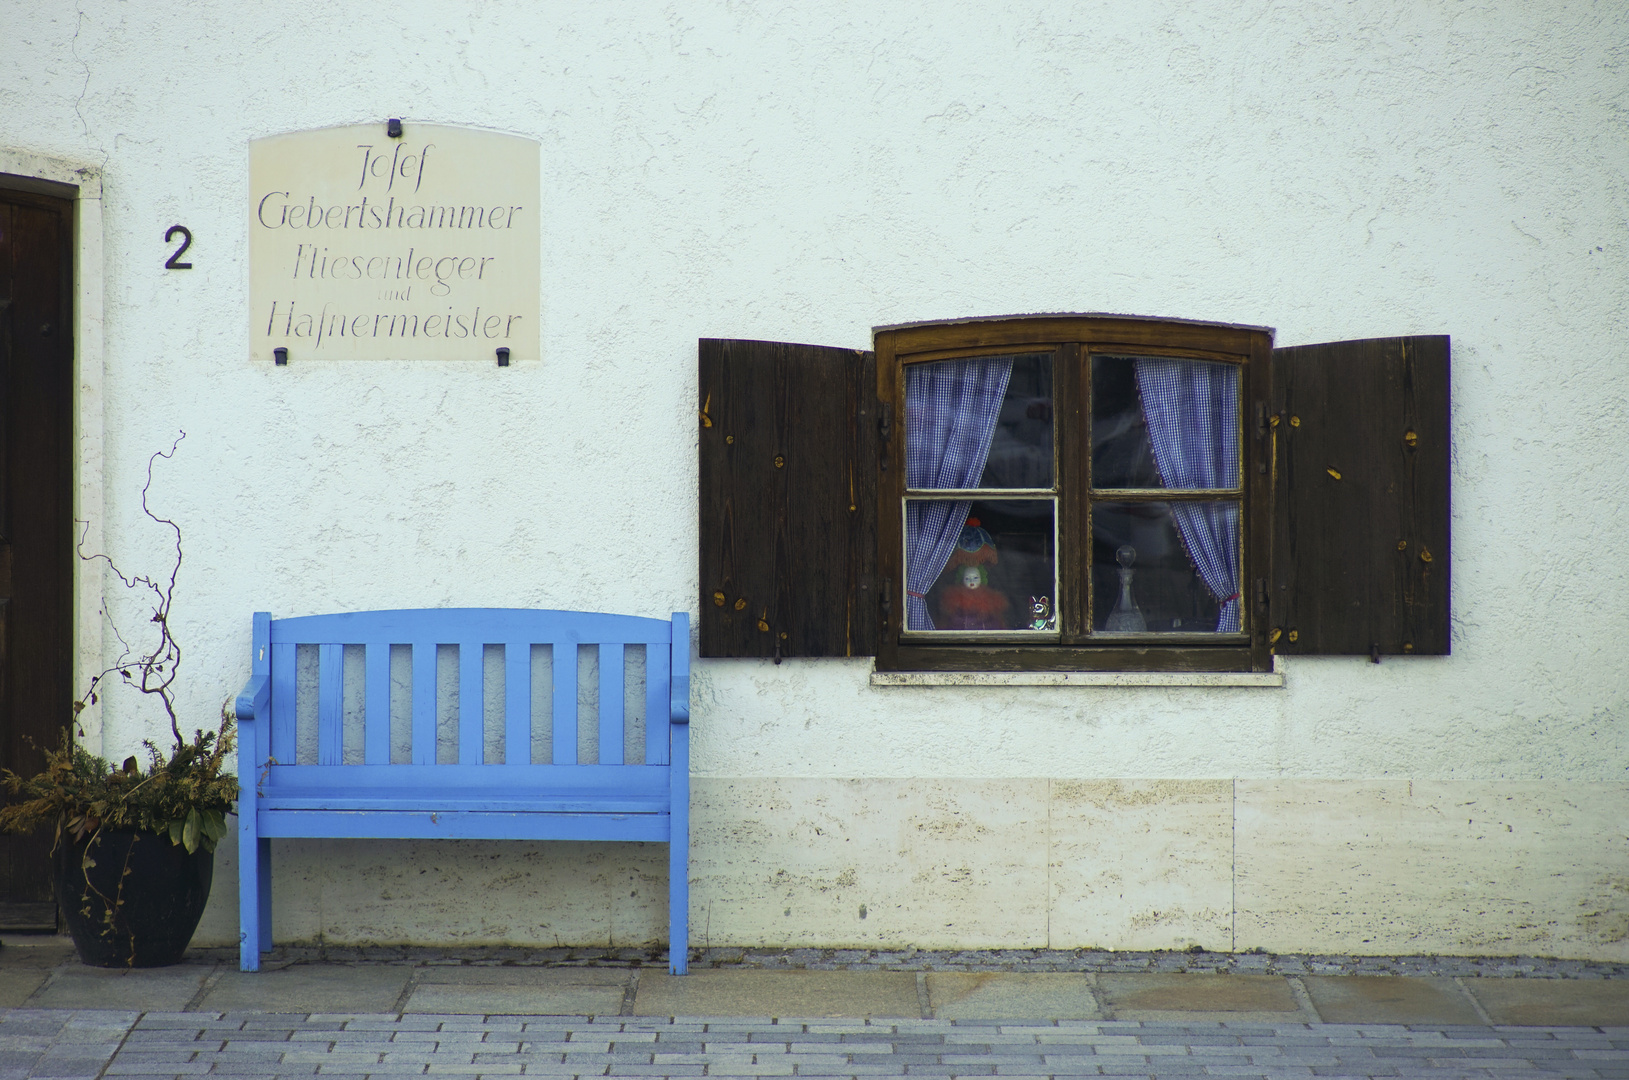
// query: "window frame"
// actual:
[[1074, 340]]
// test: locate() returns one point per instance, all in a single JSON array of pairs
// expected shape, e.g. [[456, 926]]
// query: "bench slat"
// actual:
[[658, 661], [468, 802], [426, 825], [517, 703], [283, 733], [448, 626], [331, 705], [424, 703], [376, 704], [471, 703], [426, 780], [565, 703], [612, 711]]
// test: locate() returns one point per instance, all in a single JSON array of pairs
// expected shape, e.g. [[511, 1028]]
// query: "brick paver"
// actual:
[[93, 1045]]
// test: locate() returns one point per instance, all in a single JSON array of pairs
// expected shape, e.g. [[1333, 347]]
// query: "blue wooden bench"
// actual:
[[474, 798]]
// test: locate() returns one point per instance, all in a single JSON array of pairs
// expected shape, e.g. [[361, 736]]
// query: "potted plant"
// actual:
[[134, 851]]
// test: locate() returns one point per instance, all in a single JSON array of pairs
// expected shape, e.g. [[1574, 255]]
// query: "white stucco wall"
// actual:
[[804, 172]]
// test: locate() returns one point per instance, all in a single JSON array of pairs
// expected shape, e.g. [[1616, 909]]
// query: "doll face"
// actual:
[[970, 577]]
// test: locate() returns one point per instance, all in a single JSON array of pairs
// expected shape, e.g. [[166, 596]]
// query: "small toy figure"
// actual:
[[969, 603], [1040, 612]]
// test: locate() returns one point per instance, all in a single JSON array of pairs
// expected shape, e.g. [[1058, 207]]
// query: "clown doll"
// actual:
[[968, 602]]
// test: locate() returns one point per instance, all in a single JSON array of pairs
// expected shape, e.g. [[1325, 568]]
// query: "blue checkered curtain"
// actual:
[[951, 409], [1192, 411]]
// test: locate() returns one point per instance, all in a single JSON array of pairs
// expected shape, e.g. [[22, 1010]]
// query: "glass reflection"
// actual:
[[994, 409], [1159, 422]]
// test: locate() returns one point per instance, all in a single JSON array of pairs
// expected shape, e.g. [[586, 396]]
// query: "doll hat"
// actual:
[[974, 547]]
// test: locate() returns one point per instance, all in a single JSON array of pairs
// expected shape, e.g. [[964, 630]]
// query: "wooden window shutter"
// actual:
[[788, 499], [1360, 498]]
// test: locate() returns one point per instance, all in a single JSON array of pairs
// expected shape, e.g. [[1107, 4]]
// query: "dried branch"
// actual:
[[155, 670]]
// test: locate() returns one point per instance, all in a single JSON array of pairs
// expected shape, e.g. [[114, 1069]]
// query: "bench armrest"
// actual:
[[679, 688], [255, 700], [679, 706]]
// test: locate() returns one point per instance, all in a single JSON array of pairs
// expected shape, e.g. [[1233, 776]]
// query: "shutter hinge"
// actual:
[[887, 599], [1261, 595], [885, 427], [1261, 435]]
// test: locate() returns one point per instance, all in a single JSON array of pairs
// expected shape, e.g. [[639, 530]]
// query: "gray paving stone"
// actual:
[[87, 988], [999, 996], [784, 994], [469, 1045], [520, 990]]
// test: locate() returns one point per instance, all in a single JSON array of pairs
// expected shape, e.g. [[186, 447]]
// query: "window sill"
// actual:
[[1274, 678]]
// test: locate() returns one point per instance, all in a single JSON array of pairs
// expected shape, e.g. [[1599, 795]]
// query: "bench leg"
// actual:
[[254, 895], [678, 908], [249, 867], [678, 856], [264, 859]]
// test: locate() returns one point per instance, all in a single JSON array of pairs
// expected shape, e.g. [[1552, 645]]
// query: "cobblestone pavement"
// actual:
[[92, 1044], [1044, 960]]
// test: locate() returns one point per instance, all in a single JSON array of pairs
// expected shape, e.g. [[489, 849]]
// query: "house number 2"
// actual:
[[175, 262]]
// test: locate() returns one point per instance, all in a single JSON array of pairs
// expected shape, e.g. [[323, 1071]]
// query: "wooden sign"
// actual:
[[368, 247]]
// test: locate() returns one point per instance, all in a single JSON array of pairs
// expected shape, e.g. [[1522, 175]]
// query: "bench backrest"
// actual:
[[470, 630]]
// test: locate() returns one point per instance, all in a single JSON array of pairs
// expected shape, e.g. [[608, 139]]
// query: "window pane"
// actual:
[[977, 565], [1166, 567], [1164, 423], [983, 422]]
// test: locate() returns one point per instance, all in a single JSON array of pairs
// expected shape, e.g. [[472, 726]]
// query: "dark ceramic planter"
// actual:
[[156, 905]]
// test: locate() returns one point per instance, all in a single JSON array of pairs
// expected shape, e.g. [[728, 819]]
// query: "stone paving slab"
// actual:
[[306, 988], [18, 984], [76, 986], [1553, 1001], [1183, 998], [751, 993], [1389, 999], [1003, 996], [533, 990]]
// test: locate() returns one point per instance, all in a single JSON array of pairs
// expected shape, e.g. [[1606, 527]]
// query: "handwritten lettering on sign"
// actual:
[[364, 247]]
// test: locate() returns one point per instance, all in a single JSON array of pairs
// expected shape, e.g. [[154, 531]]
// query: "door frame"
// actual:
[[80, 182]]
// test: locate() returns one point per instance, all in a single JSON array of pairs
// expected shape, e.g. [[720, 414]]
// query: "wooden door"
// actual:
[[36, 519]]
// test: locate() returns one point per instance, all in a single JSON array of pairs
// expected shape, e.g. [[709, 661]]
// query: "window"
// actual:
[[1073, 493]]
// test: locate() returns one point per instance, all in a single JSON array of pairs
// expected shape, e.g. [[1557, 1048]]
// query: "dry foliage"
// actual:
[[186, 794]]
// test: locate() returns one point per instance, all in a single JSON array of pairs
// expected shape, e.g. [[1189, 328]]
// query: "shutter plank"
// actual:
[[1361, 510], [788, 499]]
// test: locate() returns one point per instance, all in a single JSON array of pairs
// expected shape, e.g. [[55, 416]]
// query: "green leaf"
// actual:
[[189, 836], [175, 831], [214, 824]]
